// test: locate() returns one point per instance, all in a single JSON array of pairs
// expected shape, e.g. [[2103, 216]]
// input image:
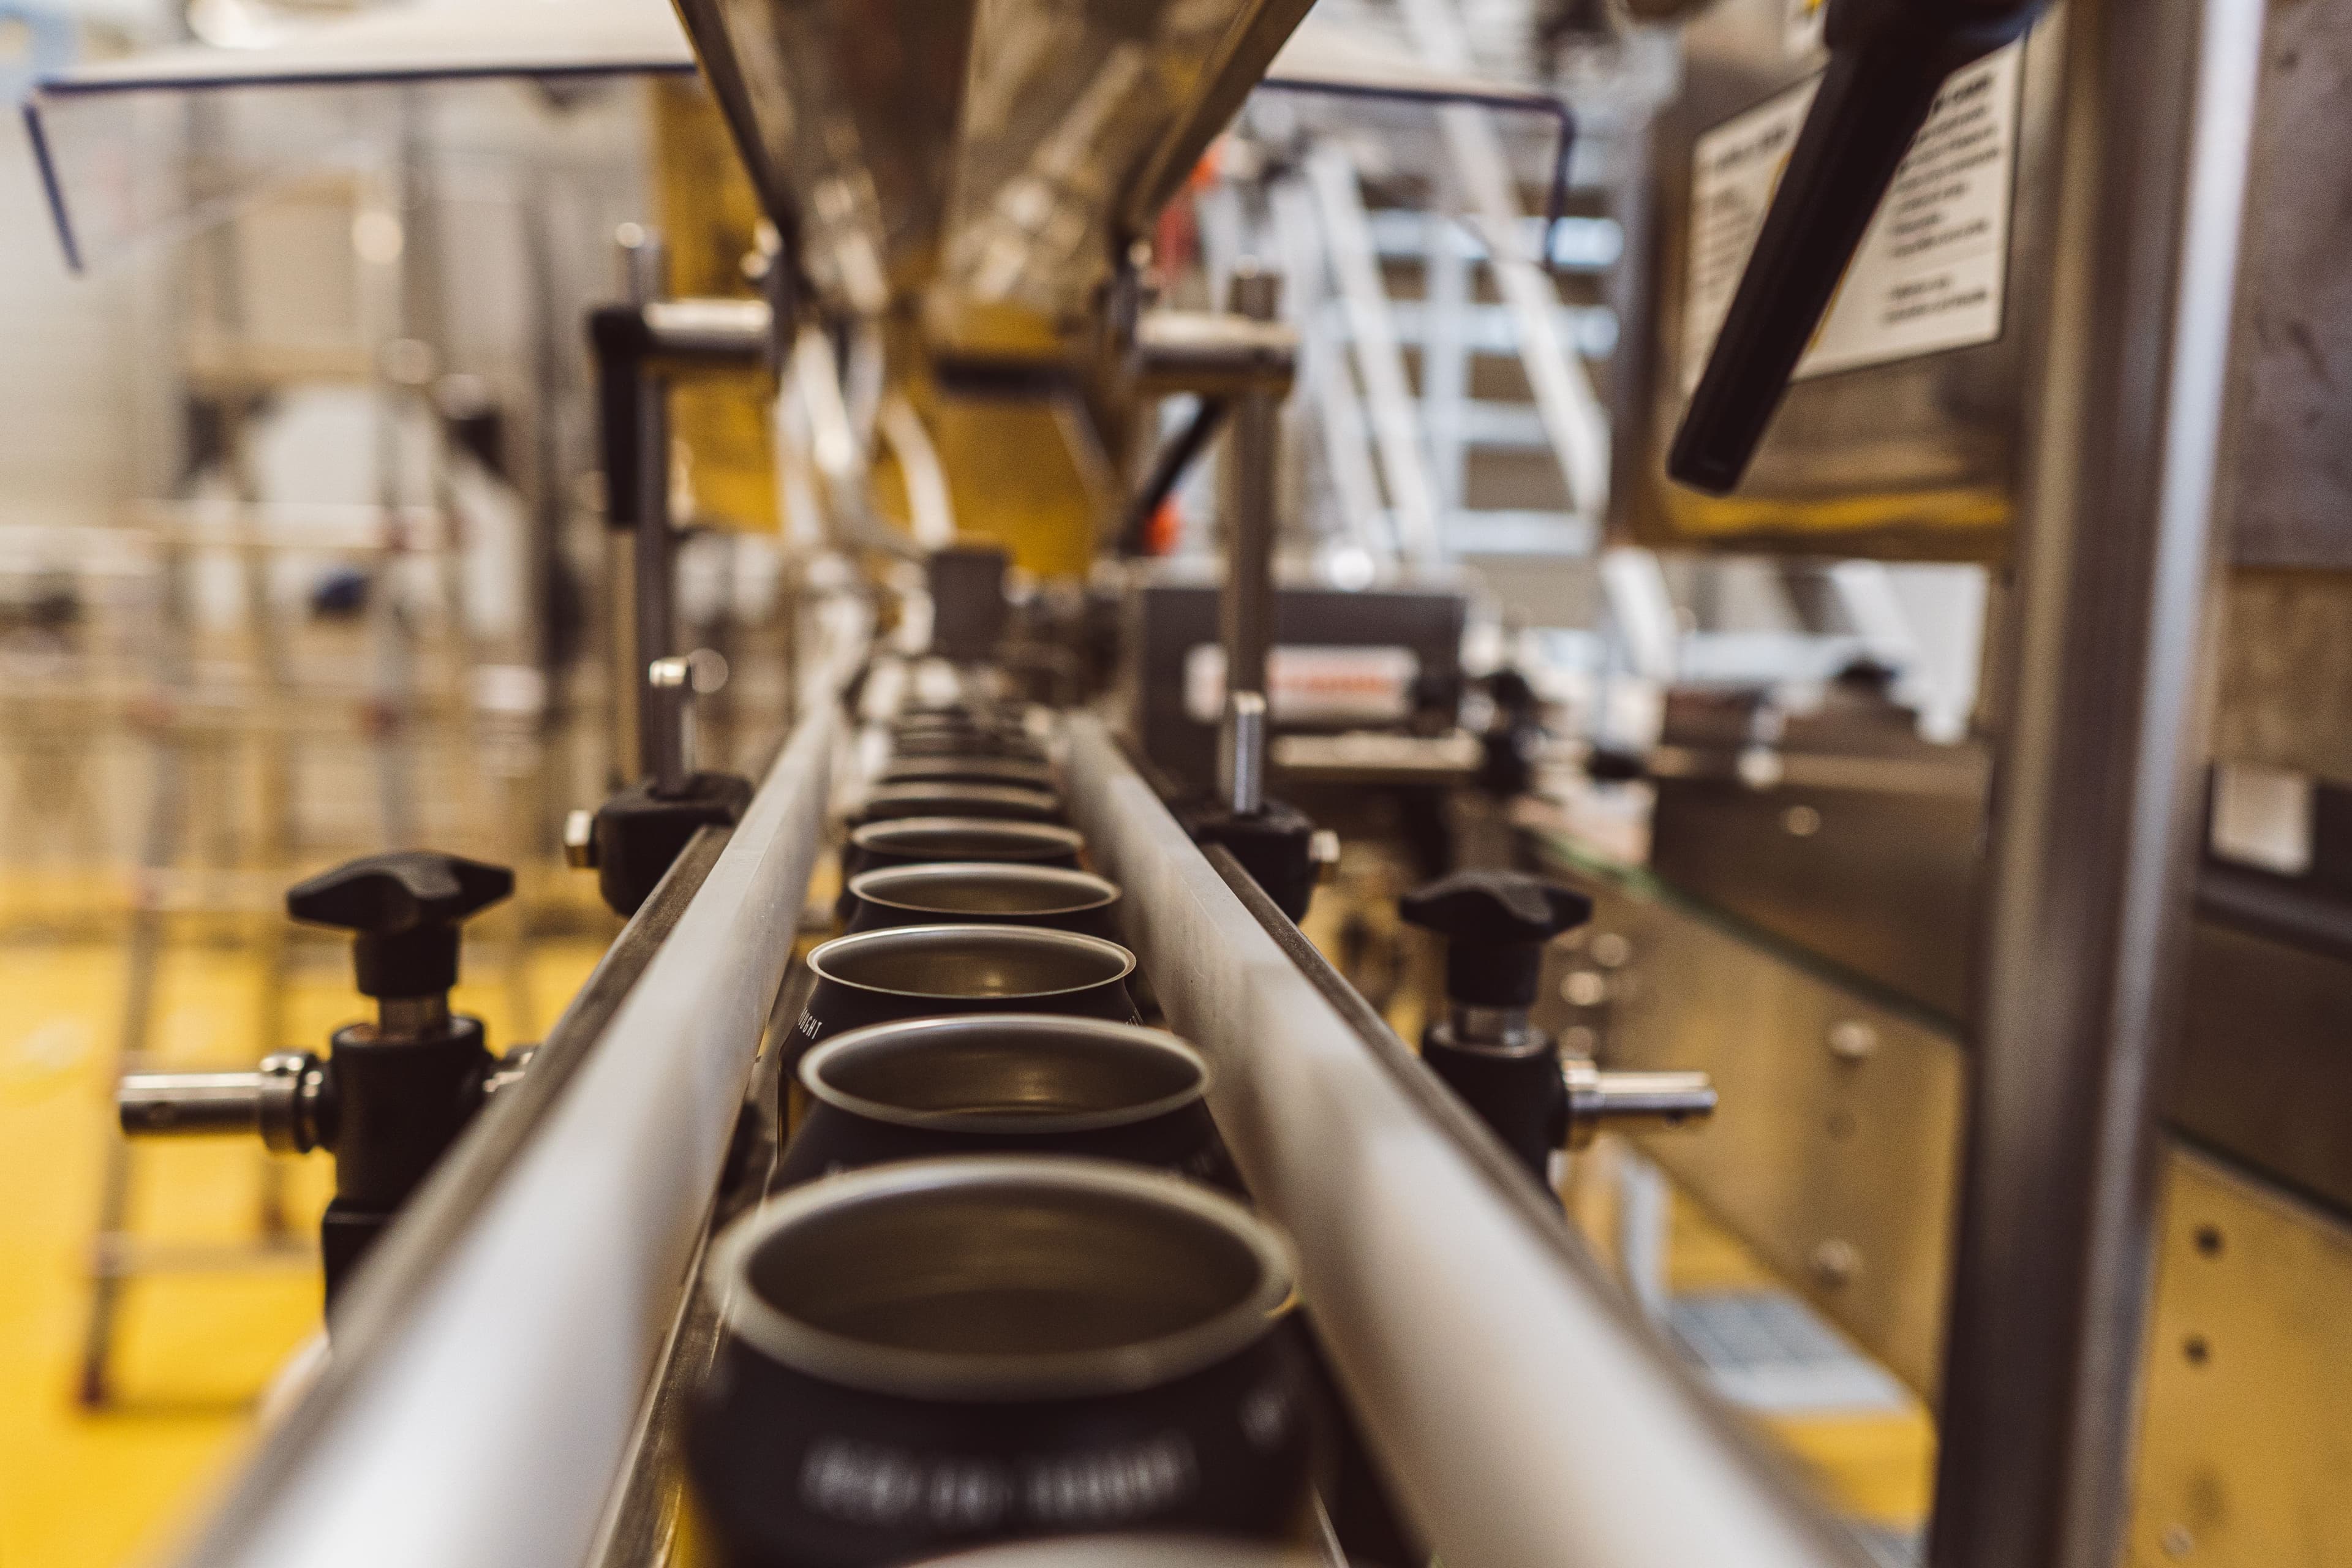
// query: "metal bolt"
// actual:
[[1323, 853], [1584, 988], [2178, 1542], [1853, 1040], [1760, 767], [280, 1101], [1637, 1100], [645, 262], [580, 840], [1611, 949], [1835, 1263], [1242, 743], [193, 1104], [1801, 821], [668, 718]]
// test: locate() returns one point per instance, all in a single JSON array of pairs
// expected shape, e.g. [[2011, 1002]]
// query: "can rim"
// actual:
[[850, 1042], [1034, 799], [1043, 837], [1107, 892], [1008, 935], [995, 1378]]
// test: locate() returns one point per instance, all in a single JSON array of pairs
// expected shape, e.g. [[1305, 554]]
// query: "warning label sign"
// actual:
[[1934, 262]]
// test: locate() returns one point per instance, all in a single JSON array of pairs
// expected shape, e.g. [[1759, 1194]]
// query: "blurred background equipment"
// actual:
[[1589, 624]]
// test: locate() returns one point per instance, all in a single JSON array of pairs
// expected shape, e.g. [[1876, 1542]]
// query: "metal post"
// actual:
[[669, 727], [644, 275], [651, 578], [2097, 804], [1246, 611], [1241, 761]]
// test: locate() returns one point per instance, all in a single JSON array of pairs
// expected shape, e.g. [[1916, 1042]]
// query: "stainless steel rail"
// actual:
[[1524, 1415], [478, 1413]]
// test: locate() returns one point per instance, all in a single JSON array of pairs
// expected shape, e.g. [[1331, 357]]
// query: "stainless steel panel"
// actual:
[[1832, 1157], [2265, 1072], [1879, 881], [843, 109], [1171, 612], [2247, 1432], [1084, 117], [1875, 887], [986, 160], [1834, 1148], [1919, 459], [1524, 1414], [1916, 458]]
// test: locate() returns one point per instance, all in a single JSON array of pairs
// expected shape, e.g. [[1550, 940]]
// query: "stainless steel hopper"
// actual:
[[981, 162]]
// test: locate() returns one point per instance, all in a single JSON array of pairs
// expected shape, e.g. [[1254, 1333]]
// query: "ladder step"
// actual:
[[1578, 243], [1587, 329], [1502, 531]]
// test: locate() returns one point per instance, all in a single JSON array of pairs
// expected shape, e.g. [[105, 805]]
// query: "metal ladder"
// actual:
[[1401, 307], [190, 742]]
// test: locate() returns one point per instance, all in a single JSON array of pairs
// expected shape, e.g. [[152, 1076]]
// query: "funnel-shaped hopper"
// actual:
[[980, 160]]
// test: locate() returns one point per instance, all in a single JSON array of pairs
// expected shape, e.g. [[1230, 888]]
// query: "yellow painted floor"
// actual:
[[90, 1489], [1874, 1466]]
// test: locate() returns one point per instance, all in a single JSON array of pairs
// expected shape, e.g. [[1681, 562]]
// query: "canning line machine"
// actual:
[[2005, 283]]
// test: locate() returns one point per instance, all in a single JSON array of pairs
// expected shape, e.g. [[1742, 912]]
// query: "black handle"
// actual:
[[1888, 59], [1495, 924], [404, 909]]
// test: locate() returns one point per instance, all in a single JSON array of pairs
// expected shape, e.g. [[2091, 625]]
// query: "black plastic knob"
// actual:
[[1889, 61], [1495, 924], [403, 911]]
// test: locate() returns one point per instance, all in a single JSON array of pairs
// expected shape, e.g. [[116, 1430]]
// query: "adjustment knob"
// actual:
[[1495, 924], [404, 909]]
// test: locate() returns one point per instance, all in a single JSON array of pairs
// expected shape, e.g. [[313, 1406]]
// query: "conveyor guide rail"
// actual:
[[485, 1413]]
